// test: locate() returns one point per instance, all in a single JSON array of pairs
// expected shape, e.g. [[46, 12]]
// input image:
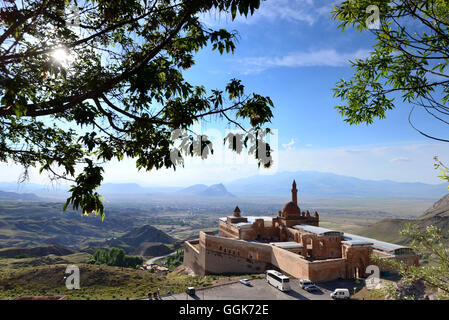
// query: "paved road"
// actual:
[[152, 260], [261, 290]]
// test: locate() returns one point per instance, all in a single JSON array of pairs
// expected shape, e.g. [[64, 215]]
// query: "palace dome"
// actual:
[[290, 208]]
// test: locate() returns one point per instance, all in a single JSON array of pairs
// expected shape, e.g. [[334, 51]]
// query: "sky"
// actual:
[[292, 51]]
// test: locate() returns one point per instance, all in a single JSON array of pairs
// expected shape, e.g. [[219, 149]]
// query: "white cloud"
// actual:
[[296, 11], [400, 159], [407, 162], [289, 146], [375, 162], [317, 58]]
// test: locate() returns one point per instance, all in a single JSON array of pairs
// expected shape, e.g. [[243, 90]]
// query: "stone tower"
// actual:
[[237, 212], [294, 193]]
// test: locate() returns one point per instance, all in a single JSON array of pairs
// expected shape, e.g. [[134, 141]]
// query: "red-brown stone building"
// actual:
[[292, 242]]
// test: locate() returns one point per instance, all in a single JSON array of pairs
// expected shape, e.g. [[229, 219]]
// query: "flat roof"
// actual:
[[358, 242], [313, 229], [380, 245], [354, 239], [251, 219], [287, 244], [242, 224]]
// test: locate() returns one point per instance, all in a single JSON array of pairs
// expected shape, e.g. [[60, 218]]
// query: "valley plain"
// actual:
[[38, 240]]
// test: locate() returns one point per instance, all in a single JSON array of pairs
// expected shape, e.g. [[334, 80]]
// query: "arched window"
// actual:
[[321, 245]]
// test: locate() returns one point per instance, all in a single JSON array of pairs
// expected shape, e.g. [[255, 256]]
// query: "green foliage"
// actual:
[[22, 256], [428, 243], [115, 257], [175, 260], [409, 59], [74, 98], [443, 169]]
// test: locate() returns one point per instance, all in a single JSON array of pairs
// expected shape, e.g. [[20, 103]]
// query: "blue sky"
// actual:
[[293, 52]]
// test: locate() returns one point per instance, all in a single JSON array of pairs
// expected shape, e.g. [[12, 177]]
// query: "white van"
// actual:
[[340, 294]]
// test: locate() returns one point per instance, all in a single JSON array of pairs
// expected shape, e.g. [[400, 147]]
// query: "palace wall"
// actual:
[[260, 230], [290, 263], [327, 270], [225, 255], [227, 230], [408, 259], [217, 255], [193, 258]]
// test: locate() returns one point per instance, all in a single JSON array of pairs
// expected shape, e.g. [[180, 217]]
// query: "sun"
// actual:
[[62, 56]]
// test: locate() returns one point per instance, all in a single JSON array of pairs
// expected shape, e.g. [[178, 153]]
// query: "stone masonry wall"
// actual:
[[327, 270], [193, 258]]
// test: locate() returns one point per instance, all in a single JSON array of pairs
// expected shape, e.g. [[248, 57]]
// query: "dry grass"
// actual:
[[97, 282]]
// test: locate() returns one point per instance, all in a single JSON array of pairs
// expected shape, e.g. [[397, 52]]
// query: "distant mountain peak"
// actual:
[[202, 190], [217, 190]]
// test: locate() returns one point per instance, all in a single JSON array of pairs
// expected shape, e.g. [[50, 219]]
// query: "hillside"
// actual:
[[35, 251], [31, 224], [151, 249], [388, 229], [438, 209], [145, 239], [96, 283]]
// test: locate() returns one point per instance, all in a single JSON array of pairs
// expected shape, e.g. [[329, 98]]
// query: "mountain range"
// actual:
[[310, 184], [328, 185], [14, 196]]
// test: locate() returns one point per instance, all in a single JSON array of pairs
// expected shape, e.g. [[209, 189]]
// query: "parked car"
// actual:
[[340, 294], [311, 288], [245, 282], [303, 283], [190, 291]]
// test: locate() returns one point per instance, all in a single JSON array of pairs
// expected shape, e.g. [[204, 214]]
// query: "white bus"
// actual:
[[278, 280]]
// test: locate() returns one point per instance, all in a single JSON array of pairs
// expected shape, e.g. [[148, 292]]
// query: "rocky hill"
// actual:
[[439, 209], [39, 251], [145, 240], [151, 249], [195, 189], [216, 190], [388, 229], [202, 190]]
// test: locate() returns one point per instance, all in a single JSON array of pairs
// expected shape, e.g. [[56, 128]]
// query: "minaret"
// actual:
[[237, 212], [294, 193]]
